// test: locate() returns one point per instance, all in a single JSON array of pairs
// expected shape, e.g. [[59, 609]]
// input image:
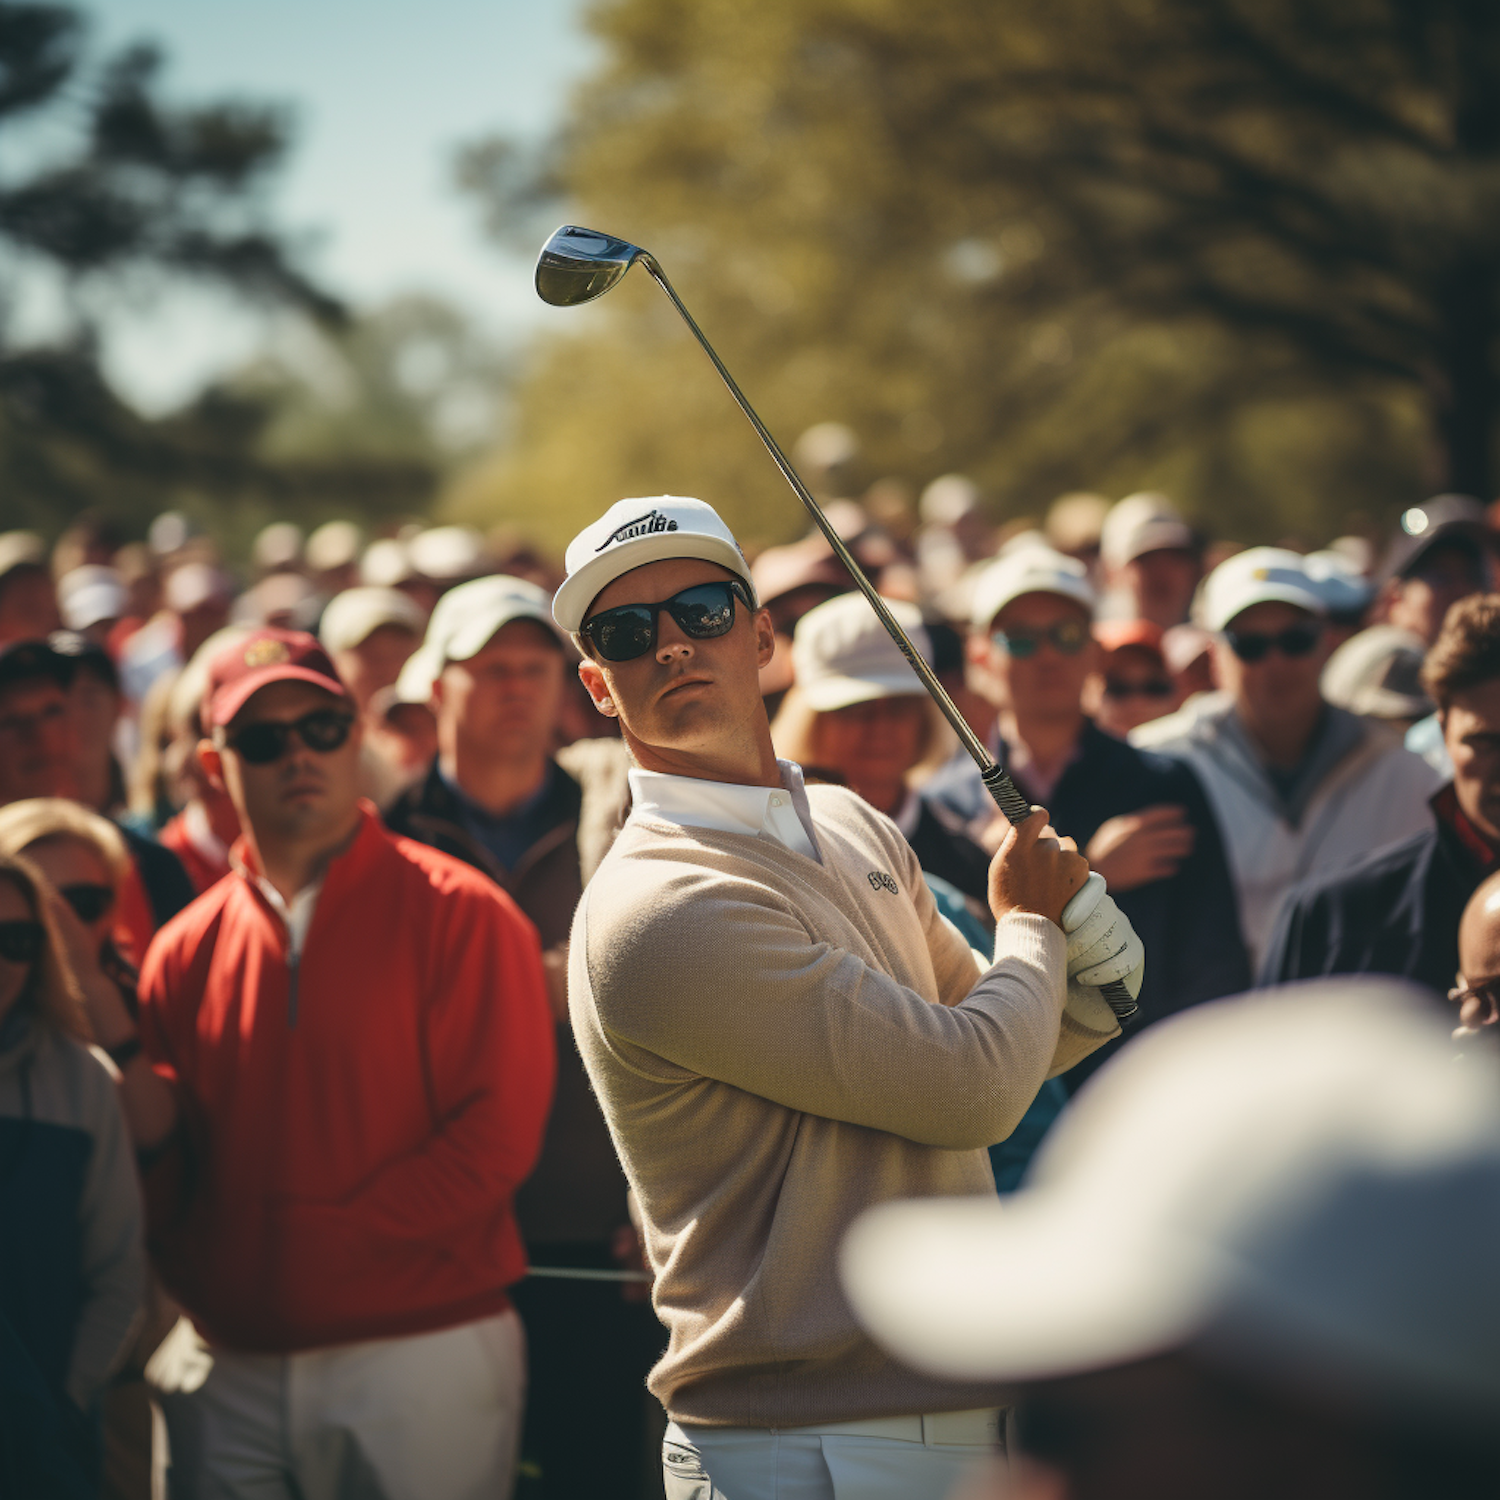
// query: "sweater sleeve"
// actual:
[[112, 1257], [714, 978], [491, 1057]]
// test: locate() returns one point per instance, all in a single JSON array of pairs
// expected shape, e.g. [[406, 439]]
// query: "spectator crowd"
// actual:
[[308, 1190]]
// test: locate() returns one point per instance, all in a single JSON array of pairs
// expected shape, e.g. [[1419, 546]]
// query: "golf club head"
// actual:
[[576, 265]]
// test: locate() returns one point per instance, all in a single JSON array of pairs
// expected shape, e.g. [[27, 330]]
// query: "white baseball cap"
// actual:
[[90, 594], [1028, 570], [1259, 575], [1142, 523], [1280, 1181], [355, 615], [464, 622], [634, 532], [842, 654]]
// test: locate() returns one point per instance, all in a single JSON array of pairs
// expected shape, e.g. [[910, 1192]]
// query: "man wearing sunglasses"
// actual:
[[354, 1039], [782, 1031], [1142, 820], [1301, 788]]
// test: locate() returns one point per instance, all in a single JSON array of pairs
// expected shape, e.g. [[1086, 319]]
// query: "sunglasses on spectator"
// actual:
[[1156, 688], [89, 902], [323, 730], [702, 612], [1295, 640], [1068, 637], [20, 941]]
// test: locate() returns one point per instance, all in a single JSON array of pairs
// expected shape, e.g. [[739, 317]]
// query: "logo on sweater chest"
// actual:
[[880, 881]]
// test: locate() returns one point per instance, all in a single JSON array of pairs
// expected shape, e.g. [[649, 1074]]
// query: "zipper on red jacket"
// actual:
[[293, 964]]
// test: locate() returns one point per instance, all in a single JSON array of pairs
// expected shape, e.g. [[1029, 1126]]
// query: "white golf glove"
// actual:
[[1102, 945]]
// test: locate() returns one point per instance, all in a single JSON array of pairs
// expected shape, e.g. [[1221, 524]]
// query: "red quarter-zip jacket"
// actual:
[[354, 1124]]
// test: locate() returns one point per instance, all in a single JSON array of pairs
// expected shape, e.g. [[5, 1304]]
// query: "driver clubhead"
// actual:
[[576, 265]]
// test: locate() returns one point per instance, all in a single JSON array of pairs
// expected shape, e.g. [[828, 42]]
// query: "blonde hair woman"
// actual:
[[857, 714], [70, 1209]]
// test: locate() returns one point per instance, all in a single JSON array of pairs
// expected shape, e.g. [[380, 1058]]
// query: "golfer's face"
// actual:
[[683, 694]]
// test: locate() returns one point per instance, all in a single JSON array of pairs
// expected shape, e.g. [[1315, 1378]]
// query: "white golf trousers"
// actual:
[[839, 1462], [434, 1416]]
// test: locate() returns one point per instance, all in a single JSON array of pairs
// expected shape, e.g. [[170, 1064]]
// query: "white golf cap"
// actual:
[[1028, 570], [1280, 1181], [1379, 672], [352, 617], [386, 562], [447, 553], [842, 654], [464, 622], [1142, 523], [1260, 575], [335, 544], [90, 594], [632, 533]]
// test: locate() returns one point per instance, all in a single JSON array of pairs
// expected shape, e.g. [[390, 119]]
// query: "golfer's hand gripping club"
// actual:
[[576, 266]]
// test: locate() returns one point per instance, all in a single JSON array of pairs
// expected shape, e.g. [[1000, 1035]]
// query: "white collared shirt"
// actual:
[[761, 811]]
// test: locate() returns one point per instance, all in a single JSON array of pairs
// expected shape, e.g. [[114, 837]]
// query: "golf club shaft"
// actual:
[[1008, 796]]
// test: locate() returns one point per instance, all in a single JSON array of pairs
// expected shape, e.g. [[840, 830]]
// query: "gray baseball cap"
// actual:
[[1291, 1183]]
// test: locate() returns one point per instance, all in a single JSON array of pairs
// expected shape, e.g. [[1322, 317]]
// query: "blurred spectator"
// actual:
[[1151, 561], [277, 548], [538, 823], [1301, 789], [789, 581], [1132, 685], [89, 541], [285, 600], [955, 532], [1075, 527], [169, 533], [70, 1209], [1379, 672], [1291, 1325], [332, 556], [28, 600], [369, 633], [92, 600], [1188, 653], [1142, 820], [1441, 554], [1397, 912], [195, 603], [402, 734], [137, 566], [1477, 991], [1347, 593], [353, 1296], [97, 704], [857, 711], [38, 758]]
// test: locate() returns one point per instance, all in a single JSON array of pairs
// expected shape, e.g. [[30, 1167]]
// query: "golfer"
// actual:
[[782, 1032]]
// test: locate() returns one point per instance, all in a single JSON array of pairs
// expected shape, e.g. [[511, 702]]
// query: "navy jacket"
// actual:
[[1189, 922], [1396, 912]]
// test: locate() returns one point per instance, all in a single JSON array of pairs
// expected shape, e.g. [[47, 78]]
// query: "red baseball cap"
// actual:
[[253, 662]]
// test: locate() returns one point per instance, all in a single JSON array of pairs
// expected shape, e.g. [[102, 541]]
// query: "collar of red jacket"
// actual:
[[1451, 816], [342, 869]]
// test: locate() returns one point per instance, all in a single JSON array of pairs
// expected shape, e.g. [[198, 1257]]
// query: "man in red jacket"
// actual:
[[355, 1053]]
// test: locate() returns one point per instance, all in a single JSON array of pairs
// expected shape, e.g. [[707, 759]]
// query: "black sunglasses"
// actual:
[[89, 902], [1295, 640], [20, 941], [323, 730], [1154, 689], [704, 611], [1067, 636]]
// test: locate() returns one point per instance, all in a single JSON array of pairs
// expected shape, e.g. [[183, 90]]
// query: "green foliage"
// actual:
[[111, 191], [1245, 250]]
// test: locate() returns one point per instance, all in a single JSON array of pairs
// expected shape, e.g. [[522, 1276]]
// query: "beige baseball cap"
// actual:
[[632, 533], [464, 622], [353, 616], [1031, 569], [1279, 1180], [842, 654], [1141, 523]]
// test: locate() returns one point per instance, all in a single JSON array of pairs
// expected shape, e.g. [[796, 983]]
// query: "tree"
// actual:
[[121, 191], [1246, 250]]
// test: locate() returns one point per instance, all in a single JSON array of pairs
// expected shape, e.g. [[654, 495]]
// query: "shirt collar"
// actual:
[[730, 807]]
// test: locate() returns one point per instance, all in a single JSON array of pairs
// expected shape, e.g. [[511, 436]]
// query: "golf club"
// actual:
[[576, 266]]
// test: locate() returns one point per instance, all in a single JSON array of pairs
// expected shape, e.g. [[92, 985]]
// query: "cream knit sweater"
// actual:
[[778, 1045]]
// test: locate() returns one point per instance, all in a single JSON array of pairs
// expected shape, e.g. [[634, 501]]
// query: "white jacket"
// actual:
[[1373, 793]]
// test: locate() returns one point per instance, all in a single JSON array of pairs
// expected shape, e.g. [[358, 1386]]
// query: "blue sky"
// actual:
[[382, 92]]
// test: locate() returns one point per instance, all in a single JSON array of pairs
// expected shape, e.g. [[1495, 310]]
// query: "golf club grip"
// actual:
[[1017, 809]]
